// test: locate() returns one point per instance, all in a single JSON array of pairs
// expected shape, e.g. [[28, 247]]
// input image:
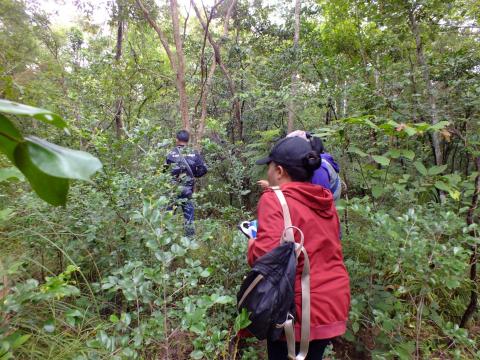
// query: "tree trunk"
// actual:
[[413, 84], [293, 90], [206, 91], [344, 100], [237, 130], [182, 92], [436, 141], [472, 306], [228, 15], [177, 62], [118, 54]]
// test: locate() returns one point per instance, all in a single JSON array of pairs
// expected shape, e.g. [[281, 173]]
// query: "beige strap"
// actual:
[[305, 331], [288, 232], [287, 235], [290, 335], [249, 289]]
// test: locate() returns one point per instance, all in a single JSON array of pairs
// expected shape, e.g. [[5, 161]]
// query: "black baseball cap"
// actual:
[[290, 151]]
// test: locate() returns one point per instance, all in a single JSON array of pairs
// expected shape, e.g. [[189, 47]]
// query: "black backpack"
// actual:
[[268, 291]]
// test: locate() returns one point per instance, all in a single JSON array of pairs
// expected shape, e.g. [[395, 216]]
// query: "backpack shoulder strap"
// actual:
[[288, 231], [189, 169], [288, 324], [334, 177]]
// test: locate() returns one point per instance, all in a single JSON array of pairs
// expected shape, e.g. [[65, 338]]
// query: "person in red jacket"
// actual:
[[291, 164]]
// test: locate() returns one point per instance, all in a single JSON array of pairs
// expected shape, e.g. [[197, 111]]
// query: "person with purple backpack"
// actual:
[[327, 175]]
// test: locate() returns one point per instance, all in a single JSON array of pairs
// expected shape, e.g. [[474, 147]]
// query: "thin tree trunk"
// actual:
[[182, 92], [237, 131], [472, 306], [436, 141], [345, 100], [228, 15], [177, 62], [293, 90], [206, 91], [208, 82], [118, 55], [413, 84]]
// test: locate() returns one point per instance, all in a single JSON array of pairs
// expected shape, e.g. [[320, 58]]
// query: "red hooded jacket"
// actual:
[[313, 211]]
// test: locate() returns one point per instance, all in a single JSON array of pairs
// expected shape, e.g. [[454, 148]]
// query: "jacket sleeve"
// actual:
[[270, 227]]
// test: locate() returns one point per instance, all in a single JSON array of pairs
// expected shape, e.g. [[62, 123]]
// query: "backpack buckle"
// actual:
[[290, 319]]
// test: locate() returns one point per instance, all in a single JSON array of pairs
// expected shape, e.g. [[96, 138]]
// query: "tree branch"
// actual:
[[160, 33]]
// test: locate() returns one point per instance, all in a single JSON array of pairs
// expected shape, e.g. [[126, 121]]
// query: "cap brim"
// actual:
[[263, 161]]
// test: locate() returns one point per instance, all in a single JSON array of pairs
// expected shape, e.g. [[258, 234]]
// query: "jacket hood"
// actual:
[[313, 196]]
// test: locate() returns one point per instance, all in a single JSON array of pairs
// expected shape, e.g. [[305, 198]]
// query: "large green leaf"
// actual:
[[435, 170], [9, 137], [61, 162], [382, 160], [394, 153], [48, 117], [442, 186], [421, 168], [49, 188]]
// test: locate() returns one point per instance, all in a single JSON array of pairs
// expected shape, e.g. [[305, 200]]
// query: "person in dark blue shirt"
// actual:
[[185, 165]]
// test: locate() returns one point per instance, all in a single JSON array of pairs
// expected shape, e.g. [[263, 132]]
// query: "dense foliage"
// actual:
[[393, 88]]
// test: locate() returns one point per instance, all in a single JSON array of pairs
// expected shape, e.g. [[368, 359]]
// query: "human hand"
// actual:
[[263, 183], [248, 228]]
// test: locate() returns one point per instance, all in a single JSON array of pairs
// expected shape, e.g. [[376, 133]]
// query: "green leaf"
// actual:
[[452, 283], [10, 173], [442, 186], [394, 153], [16, 340], [404, 351], [206, 272], [241, 321], [61, 162], [355, 150], [224, 299], [178, 250], [72, 315], [382, 160], [349, 336], [355, 327], [377, 191], [49, 188], [408, 154], [421, 168], [46, 116], [435, 170], [9, 137], [439, 126], [410, 131], [422, 126], [197, 354]]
